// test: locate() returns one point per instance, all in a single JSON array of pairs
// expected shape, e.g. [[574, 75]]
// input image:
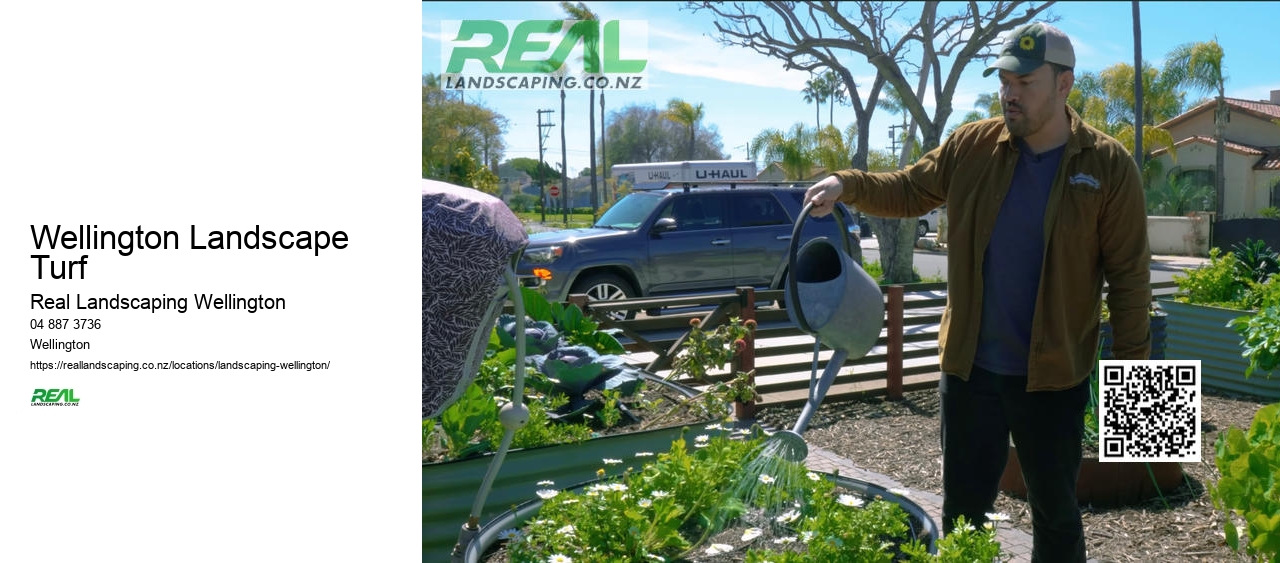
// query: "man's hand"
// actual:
[[824, 195]]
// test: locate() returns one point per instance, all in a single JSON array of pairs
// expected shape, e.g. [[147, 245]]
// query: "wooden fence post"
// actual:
[[893, 353], [746, 360]]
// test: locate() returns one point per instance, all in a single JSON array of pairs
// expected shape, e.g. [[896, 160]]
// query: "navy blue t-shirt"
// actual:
[[1011, 265]]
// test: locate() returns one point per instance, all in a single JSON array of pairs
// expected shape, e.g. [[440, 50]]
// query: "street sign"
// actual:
[[554, 191]]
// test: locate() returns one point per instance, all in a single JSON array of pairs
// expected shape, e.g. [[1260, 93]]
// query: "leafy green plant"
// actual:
[[1260, 339], [707, 350], [1249, 487], [1255, 260], [576, 386], [673, 505], [1215, 283], [1269, 212]]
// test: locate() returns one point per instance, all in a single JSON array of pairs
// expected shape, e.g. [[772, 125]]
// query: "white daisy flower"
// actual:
[[558, 558], [546, 494], [997, 516], [812, 476], [715, 426], [767, 479], [850, 500], [718, 548], [751, 534], [788, 517], [806, 537], [701, 438], [617, 487], [567, 530], [644, 454], [785, 540], [645, 502], [611, 461], [512, 534], [660, 494]]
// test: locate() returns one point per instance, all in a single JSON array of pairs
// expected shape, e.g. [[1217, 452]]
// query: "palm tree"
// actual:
[[836, 93], [1180, 195], [793, 150], [686, 114], [1199, 66], [833, 151], [814, 92], [590, 44], [1137, 85]]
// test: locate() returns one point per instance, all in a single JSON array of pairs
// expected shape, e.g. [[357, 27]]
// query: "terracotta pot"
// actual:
[[1104, 484]]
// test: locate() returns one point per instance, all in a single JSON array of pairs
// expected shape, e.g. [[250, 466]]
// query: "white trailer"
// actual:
[[657, 175]]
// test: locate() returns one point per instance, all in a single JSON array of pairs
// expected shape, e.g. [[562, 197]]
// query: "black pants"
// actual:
[[977, 418]]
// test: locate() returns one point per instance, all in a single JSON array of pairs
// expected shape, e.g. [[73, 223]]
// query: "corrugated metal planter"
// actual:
[[1199, 332], [519, 514], [1159, 333], [449, 488]]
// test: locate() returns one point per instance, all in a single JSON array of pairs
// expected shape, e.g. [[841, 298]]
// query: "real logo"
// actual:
[[1086, 180], [537, 54], [54, 397]]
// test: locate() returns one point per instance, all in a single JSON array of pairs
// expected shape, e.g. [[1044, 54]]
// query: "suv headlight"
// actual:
[[544, 255]]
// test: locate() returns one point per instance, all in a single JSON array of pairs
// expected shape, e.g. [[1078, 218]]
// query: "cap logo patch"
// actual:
[[1027, 43]]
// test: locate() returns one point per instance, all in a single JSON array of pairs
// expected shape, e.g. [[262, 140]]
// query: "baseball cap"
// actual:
[[1032, 45]]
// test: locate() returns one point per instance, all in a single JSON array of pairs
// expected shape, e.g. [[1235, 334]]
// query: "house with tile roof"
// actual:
[[1252, 147]]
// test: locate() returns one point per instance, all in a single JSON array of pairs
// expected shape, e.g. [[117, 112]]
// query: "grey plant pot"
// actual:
[[1199, 332], [1159, 336], [519, 514], [449, 488]]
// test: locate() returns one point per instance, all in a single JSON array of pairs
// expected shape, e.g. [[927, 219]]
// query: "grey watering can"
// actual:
[[831, 297]]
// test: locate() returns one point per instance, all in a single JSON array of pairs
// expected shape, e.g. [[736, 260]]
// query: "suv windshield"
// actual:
[[630, 211]]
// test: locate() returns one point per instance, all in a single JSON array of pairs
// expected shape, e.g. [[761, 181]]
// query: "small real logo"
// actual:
[[54, 398], [1085, 179], [544, 55]]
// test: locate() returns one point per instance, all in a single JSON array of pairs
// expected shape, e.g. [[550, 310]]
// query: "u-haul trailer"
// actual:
[[656, 175]]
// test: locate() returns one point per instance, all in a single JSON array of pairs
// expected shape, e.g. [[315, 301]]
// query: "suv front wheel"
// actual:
[[606, 287], [922, 229]]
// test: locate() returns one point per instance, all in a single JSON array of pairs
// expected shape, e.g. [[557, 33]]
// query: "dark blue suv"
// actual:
[[678, 241]]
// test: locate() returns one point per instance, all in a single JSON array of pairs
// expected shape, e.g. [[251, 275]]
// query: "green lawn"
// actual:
[[576, 220]]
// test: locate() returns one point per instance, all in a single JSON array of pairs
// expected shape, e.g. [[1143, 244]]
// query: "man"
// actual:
[[1041, 208]]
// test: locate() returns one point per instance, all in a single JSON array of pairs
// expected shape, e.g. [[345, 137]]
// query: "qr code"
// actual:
[[1149, 410]]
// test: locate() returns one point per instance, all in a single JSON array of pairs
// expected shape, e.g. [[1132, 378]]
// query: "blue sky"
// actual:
[[744, 92]]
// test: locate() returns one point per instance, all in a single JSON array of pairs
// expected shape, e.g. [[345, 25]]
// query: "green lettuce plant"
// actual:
[[674, 506], [1249, 487]]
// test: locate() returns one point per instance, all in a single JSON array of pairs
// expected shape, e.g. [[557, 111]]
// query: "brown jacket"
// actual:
[[1095, 227]]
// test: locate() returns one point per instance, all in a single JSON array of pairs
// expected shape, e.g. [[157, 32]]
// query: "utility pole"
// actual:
[[893, 137], [542, 182]]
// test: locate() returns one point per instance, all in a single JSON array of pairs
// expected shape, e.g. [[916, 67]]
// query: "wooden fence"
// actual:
[[904, 357]]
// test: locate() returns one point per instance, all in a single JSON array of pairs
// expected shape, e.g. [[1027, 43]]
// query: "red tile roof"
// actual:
[[1233, 147], [1260, 109], [1269, 162]]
